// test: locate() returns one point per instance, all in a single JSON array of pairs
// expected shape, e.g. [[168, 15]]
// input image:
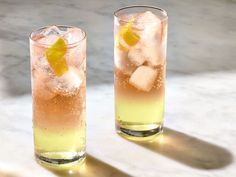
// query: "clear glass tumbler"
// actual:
[[140, 39], [58, 76]]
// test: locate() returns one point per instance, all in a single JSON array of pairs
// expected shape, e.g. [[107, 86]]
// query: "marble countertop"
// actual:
[[199, 136]]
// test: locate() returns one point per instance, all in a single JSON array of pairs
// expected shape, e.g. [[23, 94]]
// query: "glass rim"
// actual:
[[66, 26], [140, 6]]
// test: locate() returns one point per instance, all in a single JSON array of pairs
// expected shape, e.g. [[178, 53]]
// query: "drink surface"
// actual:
[[140, 61], [58, 67]]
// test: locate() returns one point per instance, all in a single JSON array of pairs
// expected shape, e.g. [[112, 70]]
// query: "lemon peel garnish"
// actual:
[[56, 57]]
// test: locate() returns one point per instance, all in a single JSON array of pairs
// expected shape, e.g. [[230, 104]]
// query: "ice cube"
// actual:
[[136, 55], [122, 62], [36, 51], [73, 35], [52, 30], [42, 73], [76, 55], [153, 53], [40, 90], [143, 78], [150, 25], [68, 84], [48, 40], [124, 18], [41, 64], [50, 35], [150, 38]]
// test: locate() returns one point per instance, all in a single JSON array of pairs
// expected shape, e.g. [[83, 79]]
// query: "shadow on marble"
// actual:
[[92, 167], [189, 150]]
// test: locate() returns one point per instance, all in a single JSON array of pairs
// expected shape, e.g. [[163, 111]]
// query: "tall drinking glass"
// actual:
[[140, 34], [58, 76]]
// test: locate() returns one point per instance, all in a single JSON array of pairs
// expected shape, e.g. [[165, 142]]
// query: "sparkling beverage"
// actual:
[[58, 76], [140, 34]]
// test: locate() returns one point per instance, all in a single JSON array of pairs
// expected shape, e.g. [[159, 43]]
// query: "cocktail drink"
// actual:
[[58, 70], [140, 34]]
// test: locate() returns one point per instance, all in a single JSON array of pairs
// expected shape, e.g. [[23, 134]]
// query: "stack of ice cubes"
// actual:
[[147, 51], [69, 83]]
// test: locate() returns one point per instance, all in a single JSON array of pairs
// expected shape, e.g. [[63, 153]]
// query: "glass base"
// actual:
[[59, 159], [139, 135]]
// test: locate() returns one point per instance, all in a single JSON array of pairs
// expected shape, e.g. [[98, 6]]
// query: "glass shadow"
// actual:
[[92, 167], [189, 150]]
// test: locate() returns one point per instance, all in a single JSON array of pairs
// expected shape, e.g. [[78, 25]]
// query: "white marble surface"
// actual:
[[199, 137], [200, 132]]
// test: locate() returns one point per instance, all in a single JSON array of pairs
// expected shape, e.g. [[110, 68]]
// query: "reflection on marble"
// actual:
[[92, 167]]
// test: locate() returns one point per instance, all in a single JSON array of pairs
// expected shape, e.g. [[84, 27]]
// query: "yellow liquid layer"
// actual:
[[139, 115], [59, 145]]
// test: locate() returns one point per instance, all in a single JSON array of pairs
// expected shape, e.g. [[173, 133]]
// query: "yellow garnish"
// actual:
[[118, 44], [55, 56], [128, 35]]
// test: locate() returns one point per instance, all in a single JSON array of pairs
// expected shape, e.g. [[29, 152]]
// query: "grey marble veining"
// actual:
[[201, 36], [199, 139]]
